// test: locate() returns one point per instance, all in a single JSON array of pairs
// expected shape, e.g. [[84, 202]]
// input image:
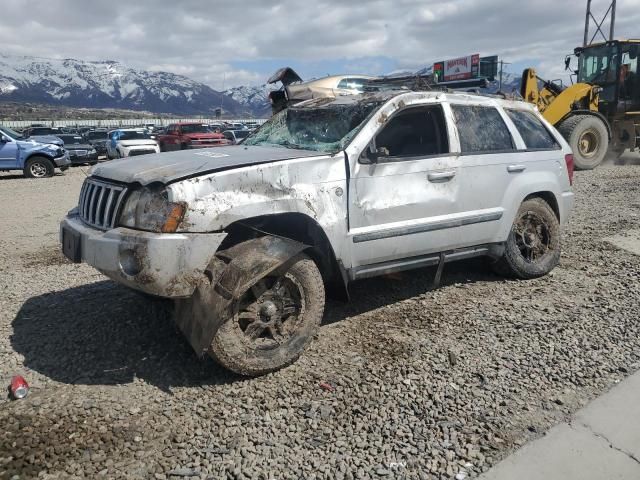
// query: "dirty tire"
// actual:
[[38, 167], [533, 247], [232, 347], [589, 139]]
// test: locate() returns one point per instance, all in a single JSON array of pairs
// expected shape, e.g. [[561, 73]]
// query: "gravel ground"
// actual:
[[402, 382]]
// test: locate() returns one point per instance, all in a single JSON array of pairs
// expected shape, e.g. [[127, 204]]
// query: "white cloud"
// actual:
[[203, 39]]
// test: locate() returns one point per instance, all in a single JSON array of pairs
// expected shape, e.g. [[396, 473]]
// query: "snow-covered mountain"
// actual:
[[255, 99], [107, 84]]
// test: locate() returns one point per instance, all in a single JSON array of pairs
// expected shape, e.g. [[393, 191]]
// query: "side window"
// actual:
[[352, 83], [413, 132], [481, 129], [532, 130]]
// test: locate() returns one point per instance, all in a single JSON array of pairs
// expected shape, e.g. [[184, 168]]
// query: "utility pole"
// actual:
[[224, 79], [502, 64], [590, 18]]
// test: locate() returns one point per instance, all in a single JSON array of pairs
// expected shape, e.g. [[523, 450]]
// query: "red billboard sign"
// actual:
[[461, 68]]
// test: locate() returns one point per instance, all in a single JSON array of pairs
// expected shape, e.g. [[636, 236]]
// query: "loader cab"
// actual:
[[614, 67]]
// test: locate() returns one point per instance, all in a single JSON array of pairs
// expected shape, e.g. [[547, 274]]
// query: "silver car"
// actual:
[[246, 239]]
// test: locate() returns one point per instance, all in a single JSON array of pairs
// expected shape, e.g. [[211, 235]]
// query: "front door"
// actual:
[[404, 203], [8, 153]]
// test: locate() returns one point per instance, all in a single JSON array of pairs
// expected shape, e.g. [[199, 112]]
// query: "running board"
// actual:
[[376, 269]]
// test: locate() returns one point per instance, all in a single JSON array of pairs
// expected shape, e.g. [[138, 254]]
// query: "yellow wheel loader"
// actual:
[[601, 111]]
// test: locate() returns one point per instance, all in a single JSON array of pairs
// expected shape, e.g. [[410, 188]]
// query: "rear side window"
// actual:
[[481, 129], [532, 130]]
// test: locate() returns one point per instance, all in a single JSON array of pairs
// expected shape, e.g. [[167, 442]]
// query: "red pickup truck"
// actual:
[[181, 136]]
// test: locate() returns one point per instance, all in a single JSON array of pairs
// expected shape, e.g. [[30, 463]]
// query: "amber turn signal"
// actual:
[[176, 214]]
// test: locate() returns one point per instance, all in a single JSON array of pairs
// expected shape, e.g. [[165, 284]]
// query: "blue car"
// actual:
[[35, 159]]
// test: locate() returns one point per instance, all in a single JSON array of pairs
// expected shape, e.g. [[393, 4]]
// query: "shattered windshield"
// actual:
[[325, 125]]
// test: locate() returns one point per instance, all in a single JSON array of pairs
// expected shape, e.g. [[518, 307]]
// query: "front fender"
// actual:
[[231, 273]]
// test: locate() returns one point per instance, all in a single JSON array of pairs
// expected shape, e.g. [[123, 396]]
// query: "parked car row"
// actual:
[[39, 150]]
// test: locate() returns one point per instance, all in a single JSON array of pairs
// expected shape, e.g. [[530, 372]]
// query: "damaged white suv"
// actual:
[[246, 238]]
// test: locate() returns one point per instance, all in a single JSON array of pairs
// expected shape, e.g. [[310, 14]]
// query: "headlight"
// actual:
[[150, 209], [93, 150]]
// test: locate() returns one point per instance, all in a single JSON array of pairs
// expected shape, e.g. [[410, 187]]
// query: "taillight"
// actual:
[[568, 158]]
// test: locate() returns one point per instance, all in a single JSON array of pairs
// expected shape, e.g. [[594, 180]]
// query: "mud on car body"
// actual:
[[246, 239]]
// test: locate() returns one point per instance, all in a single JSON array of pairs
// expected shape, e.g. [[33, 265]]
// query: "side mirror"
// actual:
[[3, 139]]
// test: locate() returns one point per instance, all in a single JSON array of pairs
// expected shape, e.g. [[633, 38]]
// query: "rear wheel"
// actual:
[[38, 167], [533, 247], [589, 139], [273, 322]]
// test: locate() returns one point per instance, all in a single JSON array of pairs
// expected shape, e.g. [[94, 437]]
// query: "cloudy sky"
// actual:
[[244, 41]]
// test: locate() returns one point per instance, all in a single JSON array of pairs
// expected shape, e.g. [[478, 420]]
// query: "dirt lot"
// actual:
[[426, 384]]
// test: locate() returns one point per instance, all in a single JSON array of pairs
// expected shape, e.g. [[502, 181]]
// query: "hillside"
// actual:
[[107, 84]]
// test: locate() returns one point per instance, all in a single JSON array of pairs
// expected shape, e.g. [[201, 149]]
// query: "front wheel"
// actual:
[[589, 139], [38, 167], [273, 322], [533, 247]]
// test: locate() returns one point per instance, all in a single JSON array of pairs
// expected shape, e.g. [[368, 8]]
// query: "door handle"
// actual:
[[441, 176], [516, 168]]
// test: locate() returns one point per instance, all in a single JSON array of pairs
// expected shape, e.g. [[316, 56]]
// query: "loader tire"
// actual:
[[588, 137]]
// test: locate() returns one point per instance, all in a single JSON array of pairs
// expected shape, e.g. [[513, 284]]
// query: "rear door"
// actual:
[[487, 147]]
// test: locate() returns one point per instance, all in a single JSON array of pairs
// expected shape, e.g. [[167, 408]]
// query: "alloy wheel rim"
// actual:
[[38, 170], [533, 237], [270, 312]]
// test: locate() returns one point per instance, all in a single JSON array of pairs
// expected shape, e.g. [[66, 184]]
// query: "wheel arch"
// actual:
[[30, 155], [302, 228], [548, 197]]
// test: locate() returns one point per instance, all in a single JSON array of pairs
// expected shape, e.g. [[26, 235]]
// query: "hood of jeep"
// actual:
[[171, 166]]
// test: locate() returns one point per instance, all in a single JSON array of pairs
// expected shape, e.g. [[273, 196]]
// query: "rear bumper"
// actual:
[[167, 265], [567, 199]]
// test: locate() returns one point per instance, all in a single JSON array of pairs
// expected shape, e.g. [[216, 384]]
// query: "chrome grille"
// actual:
[[100, 203]]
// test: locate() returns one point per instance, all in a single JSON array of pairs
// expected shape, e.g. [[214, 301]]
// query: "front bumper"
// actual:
[[164, 264], [141, 150], [63, 161], [206, 144], [82, 159]]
